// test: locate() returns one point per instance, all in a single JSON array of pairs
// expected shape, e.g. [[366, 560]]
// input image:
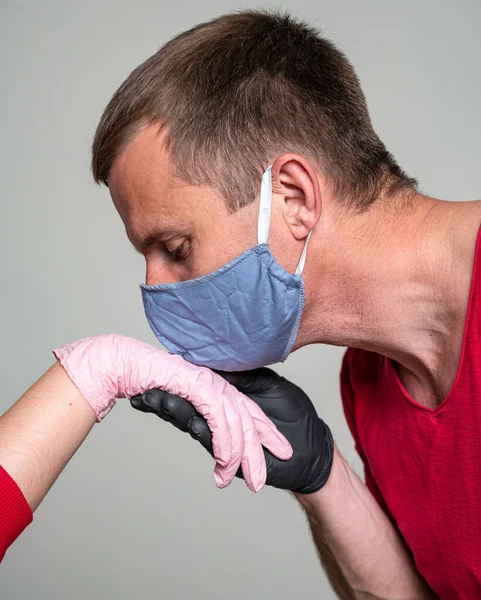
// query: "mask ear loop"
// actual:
[[265, 203], [302, 260], [264, 221]]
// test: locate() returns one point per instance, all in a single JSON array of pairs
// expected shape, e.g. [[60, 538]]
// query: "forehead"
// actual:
[[150, 197], [141, 174]]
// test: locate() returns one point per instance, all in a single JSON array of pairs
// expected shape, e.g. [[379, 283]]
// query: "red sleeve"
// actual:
[[348, 403], [15, 513]]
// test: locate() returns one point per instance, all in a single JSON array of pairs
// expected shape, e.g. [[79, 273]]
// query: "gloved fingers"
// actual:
[[169, 407], [270, 437], [149, 401], [178, 408], [224, 444], [199, 430], [137, 402], [219, 403], [231, 409], [177, 411], [252, 458], [253, 462]]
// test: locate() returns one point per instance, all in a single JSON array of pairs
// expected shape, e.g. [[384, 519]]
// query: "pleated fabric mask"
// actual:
[[243, 316]]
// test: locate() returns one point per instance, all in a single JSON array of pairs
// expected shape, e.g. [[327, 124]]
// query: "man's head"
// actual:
[[183, 143]]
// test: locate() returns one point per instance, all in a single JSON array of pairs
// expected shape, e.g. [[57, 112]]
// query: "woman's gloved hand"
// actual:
[[285, 404], [107, 367]]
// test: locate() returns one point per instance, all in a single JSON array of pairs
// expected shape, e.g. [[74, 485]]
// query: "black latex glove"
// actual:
[[285, 404]]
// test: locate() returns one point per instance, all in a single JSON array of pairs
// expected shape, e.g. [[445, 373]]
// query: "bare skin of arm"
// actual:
[[41, 432], [361, 552]]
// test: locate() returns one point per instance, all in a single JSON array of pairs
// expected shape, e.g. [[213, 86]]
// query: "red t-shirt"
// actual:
[[424, 465], [15, 513]]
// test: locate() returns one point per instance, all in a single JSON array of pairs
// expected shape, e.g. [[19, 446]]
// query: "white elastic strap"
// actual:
[[302, 260], [264, 221], [265, 202]]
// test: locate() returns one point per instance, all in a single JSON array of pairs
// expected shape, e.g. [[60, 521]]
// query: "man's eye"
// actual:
[[180, 253]]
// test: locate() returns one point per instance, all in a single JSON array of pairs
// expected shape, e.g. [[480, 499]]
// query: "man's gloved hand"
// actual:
[[285, 404]]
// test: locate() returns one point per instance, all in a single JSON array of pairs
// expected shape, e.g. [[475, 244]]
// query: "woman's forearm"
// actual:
[[41, 432], [362, 553]]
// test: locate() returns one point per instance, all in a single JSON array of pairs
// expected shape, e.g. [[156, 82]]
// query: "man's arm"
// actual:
[[42, 431], [362, 553]]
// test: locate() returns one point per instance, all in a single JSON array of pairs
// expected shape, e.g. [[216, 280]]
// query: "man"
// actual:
[[184, 145]]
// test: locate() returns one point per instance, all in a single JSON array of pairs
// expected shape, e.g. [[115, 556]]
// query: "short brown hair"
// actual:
[[242, 89]]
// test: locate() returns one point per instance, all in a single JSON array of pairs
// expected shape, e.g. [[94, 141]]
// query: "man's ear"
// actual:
[[297, 183]]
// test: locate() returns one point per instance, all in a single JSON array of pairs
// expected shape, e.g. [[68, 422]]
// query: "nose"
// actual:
[[157, 271]]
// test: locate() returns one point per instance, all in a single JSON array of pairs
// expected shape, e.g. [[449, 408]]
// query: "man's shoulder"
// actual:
[[361, 365], [360, 377]]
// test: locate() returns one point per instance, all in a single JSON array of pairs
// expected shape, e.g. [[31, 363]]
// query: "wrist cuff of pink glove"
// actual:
[[100, 405]]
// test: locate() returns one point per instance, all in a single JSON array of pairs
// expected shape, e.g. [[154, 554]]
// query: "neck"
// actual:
[[396, 282]]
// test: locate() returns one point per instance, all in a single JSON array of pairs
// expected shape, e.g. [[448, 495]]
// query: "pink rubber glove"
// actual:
[[107, 367]]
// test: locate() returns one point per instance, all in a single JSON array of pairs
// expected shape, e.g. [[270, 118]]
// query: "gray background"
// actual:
[[136, 514]]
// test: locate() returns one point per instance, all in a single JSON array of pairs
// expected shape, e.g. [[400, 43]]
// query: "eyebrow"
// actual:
[[158, 235]]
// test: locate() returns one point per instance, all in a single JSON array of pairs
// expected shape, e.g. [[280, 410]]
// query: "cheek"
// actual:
[[209, 257], [216, 251], [158, 271]]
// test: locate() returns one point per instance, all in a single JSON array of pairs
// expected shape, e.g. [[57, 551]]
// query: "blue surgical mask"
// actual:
[[243, 316]]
